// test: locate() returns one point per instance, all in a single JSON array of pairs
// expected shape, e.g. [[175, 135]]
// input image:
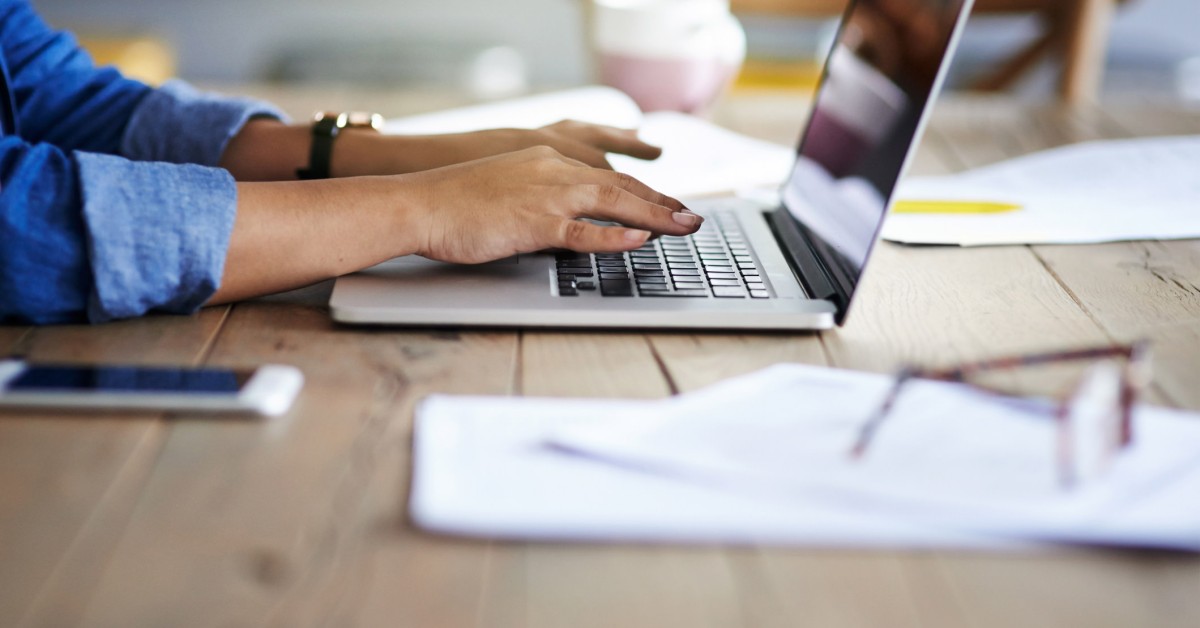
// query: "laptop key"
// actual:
[[616, 288], [677, 293], [760, 294], [728, 292], [586, 285], [685, 272], [724, 282]]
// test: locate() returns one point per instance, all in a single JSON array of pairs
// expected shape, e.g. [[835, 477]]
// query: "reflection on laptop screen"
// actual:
[[878, 80]]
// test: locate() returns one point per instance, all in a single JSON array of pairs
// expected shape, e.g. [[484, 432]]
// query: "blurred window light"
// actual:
[[1187, 79]]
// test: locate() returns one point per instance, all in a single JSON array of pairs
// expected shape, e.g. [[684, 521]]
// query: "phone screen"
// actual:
[[121, 379]]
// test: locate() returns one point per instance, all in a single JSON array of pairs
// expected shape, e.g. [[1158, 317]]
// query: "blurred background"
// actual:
[[499, 48]]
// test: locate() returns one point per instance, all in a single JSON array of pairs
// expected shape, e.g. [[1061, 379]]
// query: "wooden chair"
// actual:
[[1075, 30]]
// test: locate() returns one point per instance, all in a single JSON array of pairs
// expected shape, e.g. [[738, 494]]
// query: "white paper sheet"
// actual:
[[482, 468], [699, 158], [1084, 193], [706, 468], [947, 455]]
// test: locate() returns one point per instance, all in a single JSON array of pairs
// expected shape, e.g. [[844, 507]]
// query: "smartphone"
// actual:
[[268, 390]]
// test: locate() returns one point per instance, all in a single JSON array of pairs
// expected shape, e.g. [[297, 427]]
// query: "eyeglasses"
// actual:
[[1094, 421]]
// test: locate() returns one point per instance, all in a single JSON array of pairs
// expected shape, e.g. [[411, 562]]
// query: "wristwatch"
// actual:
[[325, 128]]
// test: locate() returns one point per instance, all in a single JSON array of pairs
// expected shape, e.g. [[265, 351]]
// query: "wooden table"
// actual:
[[145, 520]]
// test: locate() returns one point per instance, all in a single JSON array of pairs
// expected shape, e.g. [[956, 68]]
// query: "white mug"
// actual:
[[676, 55]]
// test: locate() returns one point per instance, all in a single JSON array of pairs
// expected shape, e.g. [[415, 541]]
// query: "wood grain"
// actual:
[[694, 361], [68, 481], [251, 523]]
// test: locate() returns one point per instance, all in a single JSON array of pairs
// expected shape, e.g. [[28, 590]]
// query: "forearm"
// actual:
[[292, 234], [270, 150]]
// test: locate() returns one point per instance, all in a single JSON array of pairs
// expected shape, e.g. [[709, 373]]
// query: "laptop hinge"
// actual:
[[798, 248]]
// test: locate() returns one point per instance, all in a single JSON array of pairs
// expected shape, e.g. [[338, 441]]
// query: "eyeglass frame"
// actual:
[[1135, 377]]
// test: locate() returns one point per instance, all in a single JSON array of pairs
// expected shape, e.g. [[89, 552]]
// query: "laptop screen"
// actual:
[[879, 79]]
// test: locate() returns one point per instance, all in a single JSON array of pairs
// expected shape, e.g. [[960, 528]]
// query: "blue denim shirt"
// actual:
[[110, 202]]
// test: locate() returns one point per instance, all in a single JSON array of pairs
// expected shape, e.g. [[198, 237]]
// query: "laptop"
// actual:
[[792, 266]]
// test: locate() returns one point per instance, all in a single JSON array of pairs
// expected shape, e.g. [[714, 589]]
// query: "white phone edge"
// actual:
[[270, 391]]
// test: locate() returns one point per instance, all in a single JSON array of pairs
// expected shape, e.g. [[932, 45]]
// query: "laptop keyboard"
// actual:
[[714, 262]]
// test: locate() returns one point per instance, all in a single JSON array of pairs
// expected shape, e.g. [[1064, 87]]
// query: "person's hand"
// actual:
[[531, 200], [581, 141], [366, 153]]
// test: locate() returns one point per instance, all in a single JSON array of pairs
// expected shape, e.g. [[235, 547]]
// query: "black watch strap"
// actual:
[[324, 130]]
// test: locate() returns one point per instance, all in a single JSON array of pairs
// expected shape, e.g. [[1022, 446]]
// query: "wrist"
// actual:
[[398, 207], [326, 128]]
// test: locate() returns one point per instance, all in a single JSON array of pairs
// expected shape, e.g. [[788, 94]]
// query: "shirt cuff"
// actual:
[[179, 124], [157, 234]]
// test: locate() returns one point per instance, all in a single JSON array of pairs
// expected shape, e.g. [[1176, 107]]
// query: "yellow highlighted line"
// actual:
[[952, 207]]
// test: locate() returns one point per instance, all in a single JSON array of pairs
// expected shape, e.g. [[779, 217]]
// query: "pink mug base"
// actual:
[[685, 85]]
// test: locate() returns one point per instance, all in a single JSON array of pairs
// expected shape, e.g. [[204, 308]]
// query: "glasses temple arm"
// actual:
[[867, 432]]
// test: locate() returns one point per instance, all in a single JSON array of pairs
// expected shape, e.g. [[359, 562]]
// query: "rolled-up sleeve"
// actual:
[[95, 236], [157, 234], [179, 124], [110, 206]]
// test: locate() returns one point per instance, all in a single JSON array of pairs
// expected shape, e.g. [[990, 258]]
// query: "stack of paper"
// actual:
[[699, 158], [1085, 193], [763, 458]]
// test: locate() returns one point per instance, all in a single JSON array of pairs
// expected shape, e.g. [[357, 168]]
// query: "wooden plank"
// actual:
[[551, 585], [835, 588], [1084, 588], [940, 305], [630, 586], [695, 361], [289, 522], [68, 481], [590, 365]]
